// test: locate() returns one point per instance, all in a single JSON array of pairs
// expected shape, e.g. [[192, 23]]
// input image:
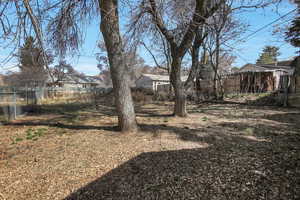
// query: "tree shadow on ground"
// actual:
[[233, 111], [291, 118], [150, 113], [101, 108], [237, 168], [271, 99], [59, 108], [231, 167], [64, 126]]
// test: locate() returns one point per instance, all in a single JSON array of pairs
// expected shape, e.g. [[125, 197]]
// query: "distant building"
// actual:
[[77, 81], [258, 77], [155, 82]]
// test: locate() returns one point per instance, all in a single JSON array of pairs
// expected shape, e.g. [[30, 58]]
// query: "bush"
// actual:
[[141, 97], [143, 90], [163, 96]]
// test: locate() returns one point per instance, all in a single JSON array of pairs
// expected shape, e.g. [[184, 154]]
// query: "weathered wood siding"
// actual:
[[231, 84], [294, 96]]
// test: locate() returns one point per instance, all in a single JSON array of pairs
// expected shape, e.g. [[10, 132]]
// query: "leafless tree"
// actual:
[[18, 19], [132, 59], [118, 66], [179, 41], [160, 51], [223, 28], [64, 21], [66, 29], [62, 70], [179, 21]]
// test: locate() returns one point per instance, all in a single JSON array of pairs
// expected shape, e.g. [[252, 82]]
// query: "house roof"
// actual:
[[265, 68], [89, 79], [287, 62], [165, 78], [80, 79]]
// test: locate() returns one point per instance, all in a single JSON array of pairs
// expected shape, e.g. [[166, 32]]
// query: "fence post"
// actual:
[[26, 94], [15, 104]]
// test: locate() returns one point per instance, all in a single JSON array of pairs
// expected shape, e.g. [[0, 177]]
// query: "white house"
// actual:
[[154, 82], [77, 81]]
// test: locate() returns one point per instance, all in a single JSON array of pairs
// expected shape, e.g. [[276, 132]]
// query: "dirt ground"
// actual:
[[221, 151]]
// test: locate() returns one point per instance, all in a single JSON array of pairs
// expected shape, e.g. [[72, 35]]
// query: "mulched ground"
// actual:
[[221, 151]]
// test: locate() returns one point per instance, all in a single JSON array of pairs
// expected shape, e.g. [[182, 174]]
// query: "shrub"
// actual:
[[163, 96], [141, 97]]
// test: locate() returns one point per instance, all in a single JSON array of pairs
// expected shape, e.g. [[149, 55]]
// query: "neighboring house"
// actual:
[[77, 81], [155, 82], [92, 82]]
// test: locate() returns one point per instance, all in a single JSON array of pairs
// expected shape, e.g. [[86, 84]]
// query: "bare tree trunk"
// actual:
[[196, 67], [180, 102], [286, 90], [118, 67], [180, 93], [216, 68]]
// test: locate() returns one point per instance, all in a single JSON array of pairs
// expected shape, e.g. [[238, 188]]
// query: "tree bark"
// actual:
[[179, 90], [216, 68], [178, 51], [118, 66]]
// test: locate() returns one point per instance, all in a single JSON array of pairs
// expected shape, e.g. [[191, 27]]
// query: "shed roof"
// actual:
[[265, 68]]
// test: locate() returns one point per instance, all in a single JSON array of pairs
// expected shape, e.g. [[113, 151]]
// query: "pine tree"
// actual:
[[31, 64], [269, 55], [30, 56], [293, 32]]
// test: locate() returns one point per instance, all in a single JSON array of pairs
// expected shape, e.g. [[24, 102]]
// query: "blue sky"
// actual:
[[250, 50], [246, 52]]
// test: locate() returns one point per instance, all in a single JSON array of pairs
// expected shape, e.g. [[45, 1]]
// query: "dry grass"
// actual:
[[221, 151]]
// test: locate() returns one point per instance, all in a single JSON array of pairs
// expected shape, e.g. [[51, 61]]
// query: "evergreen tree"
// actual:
[[293, 32], [30, 56], [269, 55], [31, 64]]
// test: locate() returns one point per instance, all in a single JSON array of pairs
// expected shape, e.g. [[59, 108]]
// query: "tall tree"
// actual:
[[180, 43], [36, 24], [20, 19], [30, 56], [293, 33], [269, 55], [66, 29], [178, 21], [31, 64], [224, 27], [117, 62]]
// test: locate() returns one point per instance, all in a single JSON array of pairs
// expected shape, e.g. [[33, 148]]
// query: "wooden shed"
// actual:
[[253, 78]]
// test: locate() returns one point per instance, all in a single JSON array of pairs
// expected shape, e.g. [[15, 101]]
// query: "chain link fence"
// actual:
[[17, 102]]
